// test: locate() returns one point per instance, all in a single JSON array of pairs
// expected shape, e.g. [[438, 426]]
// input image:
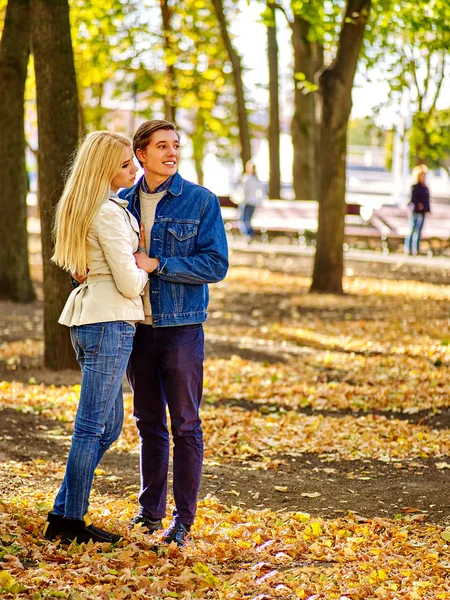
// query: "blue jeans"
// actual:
[[103, 350], [412, 242], [246, 214], [166, 370]]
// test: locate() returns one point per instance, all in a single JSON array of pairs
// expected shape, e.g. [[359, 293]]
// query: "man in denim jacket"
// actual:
[[186, 249]]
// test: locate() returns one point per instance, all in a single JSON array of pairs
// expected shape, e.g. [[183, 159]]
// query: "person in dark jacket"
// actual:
[[418, 206]]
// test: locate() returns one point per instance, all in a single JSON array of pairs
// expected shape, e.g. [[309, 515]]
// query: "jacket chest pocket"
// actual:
[[181, 238]]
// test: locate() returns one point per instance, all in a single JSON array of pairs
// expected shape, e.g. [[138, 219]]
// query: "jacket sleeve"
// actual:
[[113, 233], [210, 262]]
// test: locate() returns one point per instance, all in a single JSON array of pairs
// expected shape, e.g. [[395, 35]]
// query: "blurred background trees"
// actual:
[[121, 63]]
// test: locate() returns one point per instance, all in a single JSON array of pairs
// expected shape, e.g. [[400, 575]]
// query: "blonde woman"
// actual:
[[419, 206], [96, 236]]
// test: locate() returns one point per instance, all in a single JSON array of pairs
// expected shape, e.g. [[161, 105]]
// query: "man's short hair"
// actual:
[[144, 132]]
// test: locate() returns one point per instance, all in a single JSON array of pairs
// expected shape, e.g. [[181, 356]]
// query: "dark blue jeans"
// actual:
[[246, 215], [166, 370], [412, 242], [103, 350]]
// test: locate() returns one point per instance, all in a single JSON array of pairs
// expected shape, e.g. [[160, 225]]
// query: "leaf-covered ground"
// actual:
[[327, 434]]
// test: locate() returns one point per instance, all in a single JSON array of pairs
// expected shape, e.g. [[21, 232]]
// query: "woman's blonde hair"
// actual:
[[96, 163], [418, 170]]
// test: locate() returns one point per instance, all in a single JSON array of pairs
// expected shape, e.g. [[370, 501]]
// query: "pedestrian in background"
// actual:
[[252, 193], [418, 207]]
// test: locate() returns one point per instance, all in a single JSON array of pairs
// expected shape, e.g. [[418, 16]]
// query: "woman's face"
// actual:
[[421, 178], [127, 174]]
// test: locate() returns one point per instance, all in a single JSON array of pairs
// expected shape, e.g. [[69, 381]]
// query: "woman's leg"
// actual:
[[408, 240], [103, 351], [420, 219]]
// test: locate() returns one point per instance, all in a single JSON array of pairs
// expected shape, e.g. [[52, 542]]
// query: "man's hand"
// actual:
[[80, 278]]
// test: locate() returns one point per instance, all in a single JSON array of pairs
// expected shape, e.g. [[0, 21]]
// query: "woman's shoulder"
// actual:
[[109, 211]]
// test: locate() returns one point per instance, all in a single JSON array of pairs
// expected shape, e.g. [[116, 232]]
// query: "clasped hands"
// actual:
[[143, 261]]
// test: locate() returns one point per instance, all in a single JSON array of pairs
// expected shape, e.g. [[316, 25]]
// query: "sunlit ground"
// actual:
[[382, 347]]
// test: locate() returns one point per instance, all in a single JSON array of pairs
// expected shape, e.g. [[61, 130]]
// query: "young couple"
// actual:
[[144, 258]]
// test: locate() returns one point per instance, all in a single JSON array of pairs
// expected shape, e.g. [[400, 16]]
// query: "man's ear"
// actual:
[[139, 154]]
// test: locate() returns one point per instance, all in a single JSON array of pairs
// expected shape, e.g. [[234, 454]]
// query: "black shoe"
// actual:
[[177, 533], [82, 529], [53, 526], [147, 524]]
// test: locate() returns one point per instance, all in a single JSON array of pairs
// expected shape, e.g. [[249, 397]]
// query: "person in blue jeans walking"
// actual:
[[252, 192], [184, 233], [419, 206], [94, 229]]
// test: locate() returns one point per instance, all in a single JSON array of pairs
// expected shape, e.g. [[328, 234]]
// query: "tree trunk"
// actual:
[[170, 99], [235, 59], [57, 112], [274, 109], [15, 281], [335, 85], [199, 170], [308, 59]]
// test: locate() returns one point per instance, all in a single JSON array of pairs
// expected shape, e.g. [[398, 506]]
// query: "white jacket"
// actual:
[[252, 189], [112, 291]]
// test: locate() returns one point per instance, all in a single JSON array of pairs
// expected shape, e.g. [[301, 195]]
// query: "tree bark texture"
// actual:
[[15, 281], [235, 59], [308, 59], [170, 99], [57, 110], [336, 84], [274, 110]]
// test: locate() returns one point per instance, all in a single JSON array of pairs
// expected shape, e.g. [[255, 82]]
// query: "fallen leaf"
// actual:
[[442, 465]]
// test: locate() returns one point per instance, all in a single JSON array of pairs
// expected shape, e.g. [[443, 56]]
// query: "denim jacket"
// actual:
[[188, 238]]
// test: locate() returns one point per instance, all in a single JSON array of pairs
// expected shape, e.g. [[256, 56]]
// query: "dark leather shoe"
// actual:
[[81, 529], [177, 533], [53, 526], [147, 524]]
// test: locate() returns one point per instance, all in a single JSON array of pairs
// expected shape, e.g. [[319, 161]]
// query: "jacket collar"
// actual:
[[176, 187], [115, 198], [131, 196]]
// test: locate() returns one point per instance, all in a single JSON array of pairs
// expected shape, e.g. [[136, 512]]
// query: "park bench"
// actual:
[[384, 228], [298, 220], [435, 233]]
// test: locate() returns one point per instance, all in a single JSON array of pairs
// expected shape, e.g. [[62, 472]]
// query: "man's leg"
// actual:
[[150, 413], [181, 363], [250, 212]]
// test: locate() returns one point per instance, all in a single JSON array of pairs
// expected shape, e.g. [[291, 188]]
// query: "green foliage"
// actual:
[[103, 37], [122, 47], [364, 132], [409, 42], [430, 139]]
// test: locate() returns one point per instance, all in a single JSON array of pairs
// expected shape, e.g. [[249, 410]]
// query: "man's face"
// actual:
[[161, 156]]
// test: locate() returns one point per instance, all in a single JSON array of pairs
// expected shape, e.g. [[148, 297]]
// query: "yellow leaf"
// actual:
[[6, 580]]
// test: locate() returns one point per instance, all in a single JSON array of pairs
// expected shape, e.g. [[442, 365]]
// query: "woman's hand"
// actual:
[[145, 262], [80, 278], [141, 246]]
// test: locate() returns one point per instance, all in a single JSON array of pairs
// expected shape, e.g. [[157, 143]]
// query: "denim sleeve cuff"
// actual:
[[162, 264]]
